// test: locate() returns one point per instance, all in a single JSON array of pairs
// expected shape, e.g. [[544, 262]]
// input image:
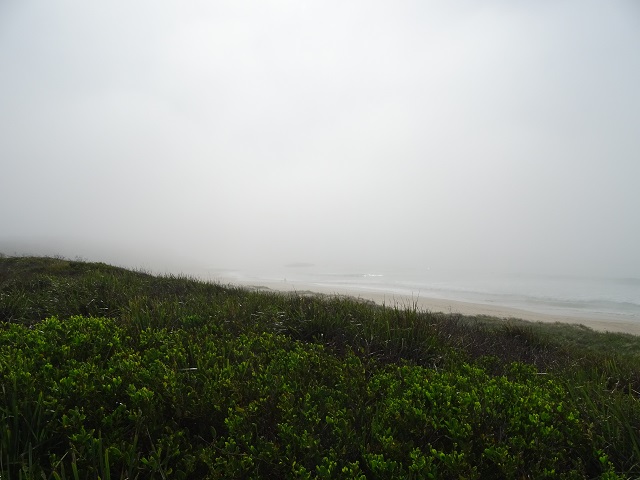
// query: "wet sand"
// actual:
[[602, 323]]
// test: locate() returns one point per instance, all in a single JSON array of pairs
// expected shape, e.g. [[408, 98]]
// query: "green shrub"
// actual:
[[106, 373]]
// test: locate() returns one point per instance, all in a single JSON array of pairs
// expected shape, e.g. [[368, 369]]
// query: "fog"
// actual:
[[235, 134]]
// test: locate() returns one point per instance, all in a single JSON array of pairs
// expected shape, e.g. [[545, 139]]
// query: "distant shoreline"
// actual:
[[601, 323]]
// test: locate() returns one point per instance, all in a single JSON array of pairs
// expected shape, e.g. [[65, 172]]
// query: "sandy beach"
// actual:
[[601, 323]]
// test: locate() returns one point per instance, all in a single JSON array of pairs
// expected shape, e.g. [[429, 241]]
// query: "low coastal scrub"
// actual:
[[109, 373]]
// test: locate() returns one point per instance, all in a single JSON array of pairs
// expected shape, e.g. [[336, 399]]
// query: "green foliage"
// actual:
[[466, 423], [106, 373]]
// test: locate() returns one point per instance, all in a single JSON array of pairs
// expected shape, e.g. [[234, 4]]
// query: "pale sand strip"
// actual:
[[599, 323]]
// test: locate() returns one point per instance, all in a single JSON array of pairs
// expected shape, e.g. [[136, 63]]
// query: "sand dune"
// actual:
[[601, 323]]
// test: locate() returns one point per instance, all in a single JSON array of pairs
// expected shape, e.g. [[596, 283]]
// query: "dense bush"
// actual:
[[190, 380]]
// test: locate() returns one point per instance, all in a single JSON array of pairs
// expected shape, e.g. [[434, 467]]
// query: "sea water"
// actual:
[[581, 296]]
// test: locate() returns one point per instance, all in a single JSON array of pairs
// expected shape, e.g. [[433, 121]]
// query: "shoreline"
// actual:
[[600, 323]]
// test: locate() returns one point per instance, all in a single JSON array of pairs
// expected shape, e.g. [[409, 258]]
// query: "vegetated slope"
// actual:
[[120, 374]]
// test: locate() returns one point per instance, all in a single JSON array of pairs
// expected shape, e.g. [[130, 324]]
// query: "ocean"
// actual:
[[549, 294]]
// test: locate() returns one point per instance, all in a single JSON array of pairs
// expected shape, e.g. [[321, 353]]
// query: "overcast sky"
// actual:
[[484, 135]]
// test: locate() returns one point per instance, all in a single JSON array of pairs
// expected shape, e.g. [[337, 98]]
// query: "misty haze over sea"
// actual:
[[477, 151]]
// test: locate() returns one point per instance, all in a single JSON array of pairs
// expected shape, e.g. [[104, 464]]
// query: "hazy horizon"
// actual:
[[447, 135]]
